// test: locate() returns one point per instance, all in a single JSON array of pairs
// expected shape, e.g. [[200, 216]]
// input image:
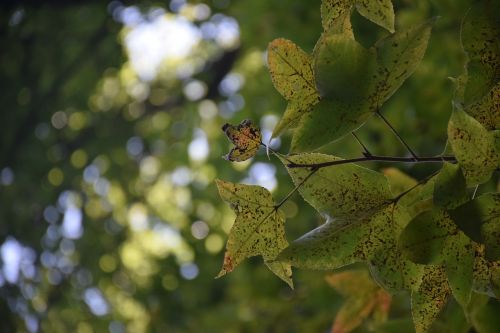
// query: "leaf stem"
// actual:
[[313, 170], [376, 158], [412, 153], [366, 151]]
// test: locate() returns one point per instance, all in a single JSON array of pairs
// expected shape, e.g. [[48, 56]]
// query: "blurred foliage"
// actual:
[[109, 214]]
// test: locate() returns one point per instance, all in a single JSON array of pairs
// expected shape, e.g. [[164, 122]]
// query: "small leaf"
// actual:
[[424, 237], [398, 180], [247, 139], [259, 228], [292, 75], [341, 190], [450, 190], [379, 12], [427, 302], [473, 145], [398, 55]]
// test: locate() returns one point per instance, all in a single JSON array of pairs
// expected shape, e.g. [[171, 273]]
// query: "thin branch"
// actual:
[[412, 153], [366, 151], [375, 158], [420, 182], [313, 171]]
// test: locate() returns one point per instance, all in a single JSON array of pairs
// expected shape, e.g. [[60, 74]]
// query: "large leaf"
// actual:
[[329, 120], [459, 263], [343, 68], [486, 274], [343, 190], [259, 228], [398, 55], [429, 299], [424, 237], [371, 238], [379, 12], [473, 215], [449, 189], [292, 75], [487, 109], [363, 297], [473, 145], [480, 40]]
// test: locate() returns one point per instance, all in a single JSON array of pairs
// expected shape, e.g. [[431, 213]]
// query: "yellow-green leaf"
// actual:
[[333, 11], [259, 228], [429, 299], [398, 55], [292, 75], [343, 190], [487, 109], [379, 12], [247, 139], [473, 145]]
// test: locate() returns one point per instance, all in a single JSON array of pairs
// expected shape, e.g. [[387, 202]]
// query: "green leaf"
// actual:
[[430, 298], [491, 236], [329, 120], [343, 190], [479, 35], [398, 55], [450, 189], [292, 75], [398, 180], [343, 68], [424, 237], [471, 216], [371, 238], [486, 274], [259, 228], [486, 319], [335, 11], [379, 12], [247, 139], [459, 263], [487, 109], [473, 145]]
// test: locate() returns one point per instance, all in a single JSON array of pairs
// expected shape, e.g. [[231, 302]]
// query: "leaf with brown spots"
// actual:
[[398, 55], [339, 191], [430, 298], [292, 75], [247, 139], [473, 145], [364, 298], [480, 40], [379, 12], [486, 274], [371, 238], [335, 11], [487, 109], [259, 228]]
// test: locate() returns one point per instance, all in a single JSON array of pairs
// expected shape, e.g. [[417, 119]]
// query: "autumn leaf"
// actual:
[[259, 228], [364, 298], [247, 139]]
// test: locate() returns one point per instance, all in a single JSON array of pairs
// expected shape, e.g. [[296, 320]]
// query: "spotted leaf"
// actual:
[[247, 139], [259, 228]]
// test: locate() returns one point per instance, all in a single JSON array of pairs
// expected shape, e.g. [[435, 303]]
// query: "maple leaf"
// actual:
[[246, 137]]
